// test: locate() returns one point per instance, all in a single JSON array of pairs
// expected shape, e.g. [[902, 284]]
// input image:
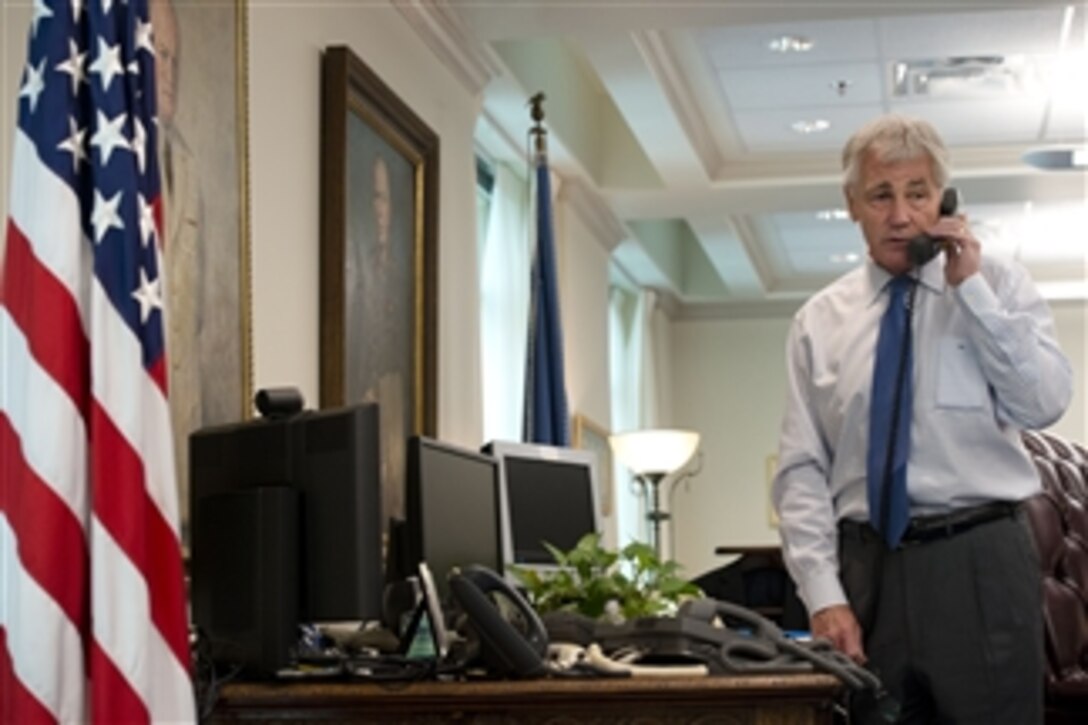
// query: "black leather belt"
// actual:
[[921, 529]]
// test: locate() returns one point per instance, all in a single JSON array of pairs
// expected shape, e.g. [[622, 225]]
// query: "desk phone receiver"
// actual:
[[512, 640], [740, 655], [923, 247]]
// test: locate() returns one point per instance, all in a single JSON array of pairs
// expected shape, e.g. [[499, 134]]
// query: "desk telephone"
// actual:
[[726, 638], [508, 635], [924, 247]]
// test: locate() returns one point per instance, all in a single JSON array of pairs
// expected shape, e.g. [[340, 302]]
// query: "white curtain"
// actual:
[[504, 306], [635, 394]]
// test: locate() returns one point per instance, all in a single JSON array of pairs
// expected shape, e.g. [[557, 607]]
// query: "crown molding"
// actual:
[[473, 63], [594, 212], [747, 310], [665, 66]]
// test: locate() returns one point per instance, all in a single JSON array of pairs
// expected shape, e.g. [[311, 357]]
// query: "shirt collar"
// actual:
[[930, 275]]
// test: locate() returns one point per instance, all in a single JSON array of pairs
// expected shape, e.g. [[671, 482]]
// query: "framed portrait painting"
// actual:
[[201, 88], [379, 209]]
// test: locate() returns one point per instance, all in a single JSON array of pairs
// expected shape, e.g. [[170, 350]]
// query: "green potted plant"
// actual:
[[598, 582]]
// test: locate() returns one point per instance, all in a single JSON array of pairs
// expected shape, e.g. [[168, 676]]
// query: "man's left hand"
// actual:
[[963, 252]]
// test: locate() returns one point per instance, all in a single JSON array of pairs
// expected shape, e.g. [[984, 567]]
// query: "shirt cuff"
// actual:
[[975, 294], [822, 589]]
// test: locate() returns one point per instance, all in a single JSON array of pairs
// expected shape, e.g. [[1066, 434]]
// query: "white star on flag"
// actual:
[[74, 143], [34, 85], [41, 12], [108, 136], [139, 143], [143, 36], [148, 294], [147, 220], [105, 215], [74, 66], [108, 63]]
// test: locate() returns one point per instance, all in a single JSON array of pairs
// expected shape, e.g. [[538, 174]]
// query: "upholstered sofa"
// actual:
[[1059, 521]]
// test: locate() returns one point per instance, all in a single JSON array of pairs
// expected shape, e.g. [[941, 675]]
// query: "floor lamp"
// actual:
[[652, 455]]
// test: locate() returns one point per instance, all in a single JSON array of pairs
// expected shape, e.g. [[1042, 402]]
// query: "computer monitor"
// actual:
[[548, 494], [304, 493], [339, 481], [452, 508]]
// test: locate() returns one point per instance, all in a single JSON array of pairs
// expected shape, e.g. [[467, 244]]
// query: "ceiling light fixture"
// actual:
[[965, 77], [816, 125], [832, 215], [790, 44]]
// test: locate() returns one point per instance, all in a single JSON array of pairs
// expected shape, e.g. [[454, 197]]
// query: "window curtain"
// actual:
[[505, 259], [635, 396]]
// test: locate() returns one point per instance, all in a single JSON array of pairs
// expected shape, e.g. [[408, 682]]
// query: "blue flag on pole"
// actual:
[[546, 417]]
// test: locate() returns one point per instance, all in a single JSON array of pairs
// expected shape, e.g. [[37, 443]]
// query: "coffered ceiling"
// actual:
[[709, 134]]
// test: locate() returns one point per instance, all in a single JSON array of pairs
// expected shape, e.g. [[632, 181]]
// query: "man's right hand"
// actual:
[[838, 625]]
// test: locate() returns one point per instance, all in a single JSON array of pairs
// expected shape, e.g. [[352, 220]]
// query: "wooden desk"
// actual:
[[748, 700]]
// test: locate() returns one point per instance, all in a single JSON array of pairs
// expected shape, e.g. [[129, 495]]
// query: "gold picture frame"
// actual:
[[590, 436], [378, 269], [202, 78]]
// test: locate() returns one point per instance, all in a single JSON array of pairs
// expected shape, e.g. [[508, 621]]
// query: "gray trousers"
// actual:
[[953, 627]]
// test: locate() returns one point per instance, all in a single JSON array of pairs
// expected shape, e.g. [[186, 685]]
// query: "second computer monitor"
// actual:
[[452, 509], [548, 494]]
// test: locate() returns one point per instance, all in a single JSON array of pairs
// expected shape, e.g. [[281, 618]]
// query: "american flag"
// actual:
[[93, 623]]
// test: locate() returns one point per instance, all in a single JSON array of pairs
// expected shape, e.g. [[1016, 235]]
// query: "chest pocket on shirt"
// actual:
[[960, 383]]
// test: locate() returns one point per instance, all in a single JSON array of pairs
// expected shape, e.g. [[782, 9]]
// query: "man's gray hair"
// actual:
[[893, 138]]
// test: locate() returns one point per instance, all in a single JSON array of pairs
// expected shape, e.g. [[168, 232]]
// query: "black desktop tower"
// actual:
[[245, 576]]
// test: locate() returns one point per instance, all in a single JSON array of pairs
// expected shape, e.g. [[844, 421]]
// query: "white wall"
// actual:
[[729, 383], [285, 44], [583, 261], [286, 41]]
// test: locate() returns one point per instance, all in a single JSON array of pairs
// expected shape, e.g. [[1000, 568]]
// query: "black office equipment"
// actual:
[[321, 470], [452, 506], [506, 633], [924, 247], [245, 574]]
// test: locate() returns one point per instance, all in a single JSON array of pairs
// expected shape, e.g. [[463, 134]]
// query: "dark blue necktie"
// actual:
[[889, 417]]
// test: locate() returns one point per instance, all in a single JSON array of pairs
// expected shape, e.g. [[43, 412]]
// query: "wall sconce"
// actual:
[[652, 455]]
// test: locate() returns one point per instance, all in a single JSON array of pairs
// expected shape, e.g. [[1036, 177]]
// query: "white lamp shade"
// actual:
[[655, 450]]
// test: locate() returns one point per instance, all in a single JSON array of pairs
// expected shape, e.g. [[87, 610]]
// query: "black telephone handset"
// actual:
[[739, 652], [518, 651], [924, 247]]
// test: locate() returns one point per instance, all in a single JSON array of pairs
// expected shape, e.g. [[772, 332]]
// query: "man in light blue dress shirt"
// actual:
[[950, 617]]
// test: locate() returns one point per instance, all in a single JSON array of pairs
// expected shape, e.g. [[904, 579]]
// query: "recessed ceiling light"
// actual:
[[816, 125], [966, 77], [790, 44], [832, 215]]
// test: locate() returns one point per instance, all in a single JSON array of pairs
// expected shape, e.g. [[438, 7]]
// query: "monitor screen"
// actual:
[[548, 494], [452, 509]]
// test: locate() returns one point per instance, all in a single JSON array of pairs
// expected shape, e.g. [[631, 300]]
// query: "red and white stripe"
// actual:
[[92, 608]]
